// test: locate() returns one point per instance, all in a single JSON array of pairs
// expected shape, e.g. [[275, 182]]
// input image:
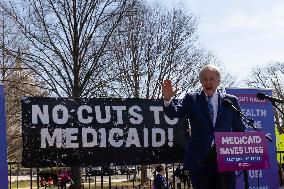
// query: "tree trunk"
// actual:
[[76, 178], [144, 177]]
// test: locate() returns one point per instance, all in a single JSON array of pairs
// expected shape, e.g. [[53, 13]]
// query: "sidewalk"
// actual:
[[21, 178], [114, 180]]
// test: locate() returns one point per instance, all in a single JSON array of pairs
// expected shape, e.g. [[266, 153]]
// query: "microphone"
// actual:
[[229, 104], [263, 96]]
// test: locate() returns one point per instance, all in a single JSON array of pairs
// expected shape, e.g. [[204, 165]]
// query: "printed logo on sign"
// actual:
[[244, 164]]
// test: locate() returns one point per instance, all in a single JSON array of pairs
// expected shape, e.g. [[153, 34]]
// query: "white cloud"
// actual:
[[259, 20]]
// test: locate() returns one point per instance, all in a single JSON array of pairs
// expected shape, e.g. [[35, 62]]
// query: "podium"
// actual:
[[241, 151]]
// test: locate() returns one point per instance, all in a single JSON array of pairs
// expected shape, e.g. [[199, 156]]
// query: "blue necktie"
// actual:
[[210, 108]]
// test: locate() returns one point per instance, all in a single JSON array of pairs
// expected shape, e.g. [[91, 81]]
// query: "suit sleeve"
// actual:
[[177, 111]]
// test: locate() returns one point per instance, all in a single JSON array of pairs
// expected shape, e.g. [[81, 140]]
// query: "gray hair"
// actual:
[[211, 67]]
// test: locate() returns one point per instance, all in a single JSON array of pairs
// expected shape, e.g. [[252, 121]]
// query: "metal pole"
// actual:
[[174, 177], [133, 180], [134, 174], [246, 179], [17, 177], [89, 180], [37, 177], [10, 167], [102, 177], [167, 176], [109, 177], [31, 181]]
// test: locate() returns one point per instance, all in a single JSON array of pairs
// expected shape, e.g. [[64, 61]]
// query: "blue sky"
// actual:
[[241, 33]]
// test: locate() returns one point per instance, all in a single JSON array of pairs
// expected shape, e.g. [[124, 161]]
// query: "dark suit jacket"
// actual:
[[194, 107], [160, 182]]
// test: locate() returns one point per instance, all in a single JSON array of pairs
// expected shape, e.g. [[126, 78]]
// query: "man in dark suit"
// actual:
[[207, 115]]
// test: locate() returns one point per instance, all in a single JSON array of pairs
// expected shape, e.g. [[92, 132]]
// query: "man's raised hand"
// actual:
[[167, 90]]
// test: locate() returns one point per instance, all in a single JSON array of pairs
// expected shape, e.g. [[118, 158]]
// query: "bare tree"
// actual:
[[100, 48], [67, 43], [154, 44], [270, 76], [10, 38], [18, 83]]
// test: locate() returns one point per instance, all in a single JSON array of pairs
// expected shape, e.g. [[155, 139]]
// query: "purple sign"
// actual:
[[261, 112], [3, 144], [241, 151]]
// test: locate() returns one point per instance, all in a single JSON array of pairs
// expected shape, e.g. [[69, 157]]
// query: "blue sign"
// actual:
[[3, 144], [261, 112]]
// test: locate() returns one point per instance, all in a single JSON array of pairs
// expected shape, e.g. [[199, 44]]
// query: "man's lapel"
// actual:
[[220, 109]]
